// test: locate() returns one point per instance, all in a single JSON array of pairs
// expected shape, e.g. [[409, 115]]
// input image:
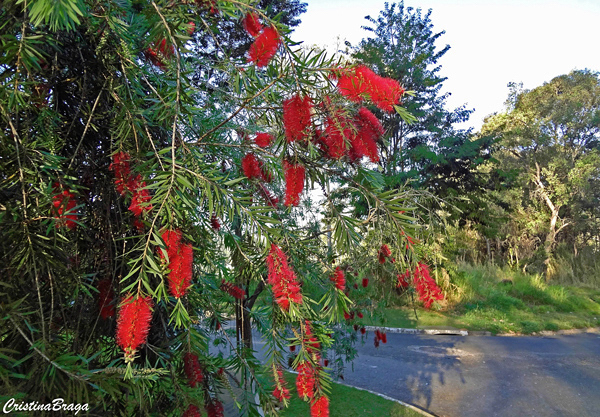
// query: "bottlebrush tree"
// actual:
[[139, 213]]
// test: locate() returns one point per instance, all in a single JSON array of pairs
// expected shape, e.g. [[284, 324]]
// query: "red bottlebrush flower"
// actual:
[[403, 280], [192, 411], [305, 381], [181, 258], [378, 334], [320, 407], [286, 289], [192, 369], [426, 287], [269, 197], [121, 169], [215, 409], [326, 362], [214, 222], [264, 47], [233, 290], [385, 251], [64, 202], [365, 282], [263, 139], [339, 279], [354, 84], [293, 348], [106, 297], [172, 239], [180, 277], [296, 117], [338, 130], [360, 315], [252, 24], [363, 330], [361, 82], [252, 167], [133, 324], [376, 342], [355, 327], [385, 93], [139, 225], [383, 337], [369, 130], [191, 28], [294, 183], [281, 391], [311, 341], [346, 315], [141, 196]]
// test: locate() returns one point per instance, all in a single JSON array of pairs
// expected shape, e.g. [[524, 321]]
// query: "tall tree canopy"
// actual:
[[549, 138], [429, 149]]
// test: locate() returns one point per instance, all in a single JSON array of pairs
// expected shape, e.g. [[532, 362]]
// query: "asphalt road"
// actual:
[[485, 376]]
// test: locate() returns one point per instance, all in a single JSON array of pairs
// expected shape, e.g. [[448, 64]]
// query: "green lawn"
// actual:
[[348, 402], [484, 302]]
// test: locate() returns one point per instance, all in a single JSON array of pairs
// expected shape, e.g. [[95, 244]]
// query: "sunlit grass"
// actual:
[[348, 402], [504, 301]]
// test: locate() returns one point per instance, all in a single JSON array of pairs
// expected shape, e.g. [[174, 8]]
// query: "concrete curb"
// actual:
[[455, 332]]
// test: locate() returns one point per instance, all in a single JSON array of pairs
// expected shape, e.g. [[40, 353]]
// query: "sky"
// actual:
[[492, 42]]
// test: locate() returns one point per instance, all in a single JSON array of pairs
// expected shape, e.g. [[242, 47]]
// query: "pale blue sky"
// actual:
[[493, 42]]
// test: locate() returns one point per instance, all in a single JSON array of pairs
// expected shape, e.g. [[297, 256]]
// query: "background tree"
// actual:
[[430, 149], [548, 137]]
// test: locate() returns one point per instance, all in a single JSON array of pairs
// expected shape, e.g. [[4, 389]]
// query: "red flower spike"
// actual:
[[365, 282], [294, 183], [320, 407], [141, 196], [264, 47], [215, 409], [296, 117], [191, 28], [305, 381], [326, 362], [383, 337], [133, 324], [106, 297], [252, 24], [339, 279], [363, 330], [122, 170], [214, 222], [338, 130], [376, 342], [311, 341], [172, 239], [355, 327], [281, 391], [426, 287], [192, 411], [252, 167], [180, 277], [403, 280], [361, 82], [233, 290], [64, 202], [385, 251], [369, 130], [346, 315], [263, 139], [286, 289], [192, 369], [360, 315]]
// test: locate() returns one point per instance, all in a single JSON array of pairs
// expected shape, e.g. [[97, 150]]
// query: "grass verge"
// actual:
[[348, 402], [504, 301]]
